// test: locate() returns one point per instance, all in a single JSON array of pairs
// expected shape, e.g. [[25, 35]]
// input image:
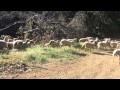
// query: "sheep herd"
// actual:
[[62, 42], [6, 42], [88, 42], [9, 43]]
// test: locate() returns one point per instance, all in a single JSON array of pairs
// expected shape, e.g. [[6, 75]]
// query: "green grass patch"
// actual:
[[43, 54]]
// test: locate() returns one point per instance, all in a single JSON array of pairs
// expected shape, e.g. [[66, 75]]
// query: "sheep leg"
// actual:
[[82, 47], [13, 47], [88, 49], [85, 47], [60, 45]]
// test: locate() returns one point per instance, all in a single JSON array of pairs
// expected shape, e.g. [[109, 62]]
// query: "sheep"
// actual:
[[83, 39], [17, 44], [118, 41], [67, 42], [52, 43], [89, 45], [10, 45], [5, 42], [107, 39], [116, 52], [47, 44], [3, 45], [118, 45], [74, 40], [90, 40], [103, 44], [21, 44], [14, 43], [96, 40], [10, 40], [25, 43], [90, 37], [113, 44], [14, 39], [30, 43], [6, 37]]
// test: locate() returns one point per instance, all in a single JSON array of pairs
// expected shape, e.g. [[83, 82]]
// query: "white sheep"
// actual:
[[17, 44], [30, 42], [118, 46], [103, 44], [83, 39], [74, 39], [67, 42], [52, 43], [116, 52], [10, 45], [113, 44], [89, 45], [90, 37], [10, 40], [96, 40], [21, 44], [26, 43], [107, 39], [3, 43]]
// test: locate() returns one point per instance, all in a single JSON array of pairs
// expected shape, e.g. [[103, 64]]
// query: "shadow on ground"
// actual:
[[101, 53], [79, 54]]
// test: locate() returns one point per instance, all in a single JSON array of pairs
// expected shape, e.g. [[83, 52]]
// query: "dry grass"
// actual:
[[89, 67], [96, 65]]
